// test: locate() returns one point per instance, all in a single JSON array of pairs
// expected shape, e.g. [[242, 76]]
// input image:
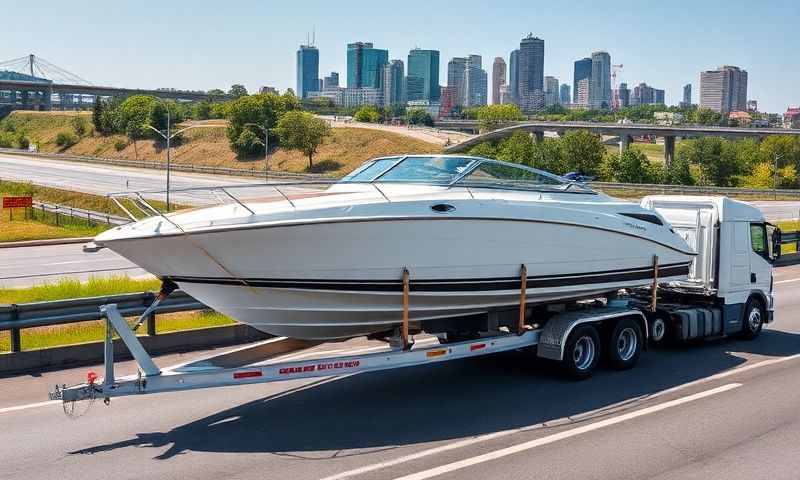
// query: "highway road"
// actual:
[[720, 409]]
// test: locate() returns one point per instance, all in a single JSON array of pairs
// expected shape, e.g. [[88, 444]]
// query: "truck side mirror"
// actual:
[[775, 241]]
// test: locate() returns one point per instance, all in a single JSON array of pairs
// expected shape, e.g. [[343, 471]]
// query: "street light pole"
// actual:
[[168, 137]]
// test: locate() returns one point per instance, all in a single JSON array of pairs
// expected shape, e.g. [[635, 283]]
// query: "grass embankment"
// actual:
[[43, 337], [345, 149]]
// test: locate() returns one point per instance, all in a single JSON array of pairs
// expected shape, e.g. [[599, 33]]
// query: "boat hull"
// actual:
[[343, 278]]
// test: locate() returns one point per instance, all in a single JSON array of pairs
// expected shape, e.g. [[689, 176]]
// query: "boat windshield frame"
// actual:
[[560, 185]]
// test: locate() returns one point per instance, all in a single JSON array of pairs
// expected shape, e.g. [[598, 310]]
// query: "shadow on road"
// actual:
[[441, 402]]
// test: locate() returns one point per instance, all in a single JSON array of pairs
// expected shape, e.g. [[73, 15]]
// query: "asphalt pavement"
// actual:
[[718, 409]]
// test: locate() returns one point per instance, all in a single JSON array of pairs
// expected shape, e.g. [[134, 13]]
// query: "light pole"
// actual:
[[775, 175], [265, 131], [168, 136]]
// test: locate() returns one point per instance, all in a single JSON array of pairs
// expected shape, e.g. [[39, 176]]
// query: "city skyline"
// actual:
[[256, 44]]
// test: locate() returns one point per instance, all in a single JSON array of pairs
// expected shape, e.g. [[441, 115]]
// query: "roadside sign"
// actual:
[[18, 202]]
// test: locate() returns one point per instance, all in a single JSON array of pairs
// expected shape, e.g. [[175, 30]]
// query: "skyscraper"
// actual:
[[643, 94], [365, 64], [531, 73], [583, 71], [624, 94], [513, 75], [456, 79], [423, 75], [307, 70], [565, 95], [331, 81], [600, 83], [687, 95], [477, 82], [498, 78], [393, 92], [724, 90], [550, 91]]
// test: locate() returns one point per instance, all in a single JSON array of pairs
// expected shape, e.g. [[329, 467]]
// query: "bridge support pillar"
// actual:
[[669, 151], [538, 136], [624, 142]]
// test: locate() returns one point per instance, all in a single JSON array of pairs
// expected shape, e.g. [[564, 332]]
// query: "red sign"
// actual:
[[17, 202]]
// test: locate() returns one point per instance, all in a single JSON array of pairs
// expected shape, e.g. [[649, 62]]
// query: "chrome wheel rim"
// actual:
[[627, 343], [583, 353], [754, 319]]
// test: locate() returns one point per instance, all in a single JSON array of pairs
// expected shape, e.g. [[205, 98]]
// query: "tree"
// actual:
[[302, 131], [716, 158], [632, 166], [237, 91], [215, 95], [492, 116], [582, 152], [201, 111], [679, 172], [368, 114], [97, 116], [547, 156], [263, 110], [763, 175], [418, 116], [706, 116], [136, 112], [485, 150], [517, 148]]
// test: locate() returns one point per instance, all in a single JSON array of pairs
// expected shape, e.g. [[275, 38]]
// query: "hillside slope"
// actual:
[[343, 151]]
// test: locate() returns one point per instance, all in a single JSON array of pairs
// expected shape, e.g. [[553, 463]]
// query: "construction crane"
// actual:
[[614, 86]]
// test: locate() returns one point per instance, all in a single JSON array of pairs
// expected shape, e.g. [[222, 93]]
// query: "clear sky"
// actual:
[[203, 44]]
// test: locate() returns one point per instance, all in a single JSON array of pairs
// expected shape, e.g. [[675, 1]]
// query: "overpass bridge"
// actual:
[[625, 131], [44, 86]]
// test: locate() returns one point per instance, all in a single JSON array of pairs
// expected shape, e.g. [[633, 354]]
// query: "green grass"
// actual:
[[46, 337], [68, 288], [22, 230]]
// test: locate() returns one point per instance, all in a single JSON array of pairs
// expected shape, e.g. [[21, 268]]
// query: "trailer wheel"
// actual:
[[753, 320], [625, 344], [581, 352]]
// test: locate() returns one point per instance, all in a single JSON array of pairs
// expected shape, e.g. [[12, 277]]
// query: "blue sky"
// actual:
[[203, 44]]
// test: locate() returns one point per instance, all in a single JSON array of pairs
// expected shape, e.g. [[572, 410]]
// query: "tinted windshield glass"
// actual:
[[495, 173], [370, 171], [428, 169]]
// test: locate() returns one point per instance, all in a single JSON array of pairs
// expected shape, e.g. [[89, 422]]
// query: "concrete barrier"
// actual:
[[92, 353]]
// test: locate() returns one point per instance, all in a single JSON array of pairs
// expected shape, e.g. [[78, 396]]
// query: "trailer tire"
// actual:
[[624, 344], [753, 319], [581, 352]]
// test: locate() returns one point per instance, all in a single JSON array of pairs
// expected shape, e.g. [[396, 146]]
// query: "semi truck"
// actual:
[[729, 292]]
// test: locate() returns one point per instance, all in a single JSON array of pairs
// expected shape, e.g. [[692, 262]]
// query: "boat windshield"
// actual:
[[461, 171]]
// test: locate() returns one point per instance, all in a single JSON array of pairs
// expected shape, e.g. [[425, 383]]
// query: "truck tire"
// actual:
[[659, 330], [753, 320], [581, 352], [625, 344]]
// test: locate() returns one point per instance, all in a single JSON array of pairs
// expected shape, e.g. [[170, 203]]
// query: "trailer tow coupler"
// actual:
[[167, 287]]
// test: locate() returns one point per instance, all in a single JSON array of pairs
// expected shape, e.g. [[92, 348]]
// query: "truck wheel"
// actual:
[[753, 320], [625, 344], [581, 352], [659, 331]]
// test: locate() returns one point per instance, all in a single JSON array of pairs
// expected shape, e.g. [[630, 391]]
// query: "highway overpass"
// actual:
[[625, 131]]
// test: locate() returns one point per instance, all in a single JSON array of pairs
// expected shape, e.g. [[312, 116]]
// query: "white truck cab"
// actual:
[[736, 248]]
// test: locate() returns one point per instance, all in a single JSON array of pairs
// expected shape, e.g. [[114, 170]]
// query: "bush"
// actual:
[[22, 141], [248, 143], [6, 140], [119, 145], [66, 139], [79, 126], [418, 116], [368, 114]]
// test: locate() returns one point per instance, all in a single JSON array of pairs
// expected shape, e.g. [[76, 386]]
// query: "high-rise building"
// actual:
[[583, 71], [447, 96], [513, 74], [658, 96], [643, 94], [531, 73], [392, 83], [565, 97], [624, 95], [423, 75], [582, 92], [600, 83], [365, 64], [506, 97], [456, 79], [724, 90], [331, 81], [550, 91], [477, 82], [307, 70], [687, 95], [498, 78]]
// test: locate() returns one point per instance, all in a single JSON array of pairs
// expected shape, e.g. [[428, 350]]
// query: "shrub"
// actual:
[[119, 145], [368, 114], [22, 141], [79, 126], [66, 139]]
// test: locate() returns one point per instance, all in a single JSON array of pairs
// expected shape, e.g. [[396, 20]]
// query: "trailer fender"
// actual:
[[553, 338]]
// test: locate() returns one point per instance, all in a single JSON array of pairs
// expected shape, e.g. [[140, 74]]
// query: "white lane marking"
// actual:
[[491, 436], [504, 452], [30, 405], [787, 281]]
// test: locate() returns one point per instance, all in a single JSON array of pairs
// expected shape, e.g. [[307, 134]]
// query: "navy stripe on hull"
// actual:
[[452, 285]]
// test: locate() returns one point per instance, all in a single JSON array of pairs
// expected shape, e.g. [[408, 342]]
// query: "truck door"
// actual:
[[740, 259], [760, 264]]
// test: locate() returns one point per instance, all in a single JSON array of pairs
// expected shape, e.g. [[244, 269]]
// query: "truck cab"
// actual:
[[732, 272]]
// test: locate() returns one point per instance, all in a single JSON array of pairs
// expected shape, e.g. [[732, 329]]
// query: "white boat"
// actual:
[[328, 263]]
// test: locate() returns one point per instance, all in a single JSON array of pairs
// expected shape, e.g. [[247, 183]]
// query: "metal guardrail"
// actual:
[[16, 317], [91, 217], [694, 189], [176, 167]]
